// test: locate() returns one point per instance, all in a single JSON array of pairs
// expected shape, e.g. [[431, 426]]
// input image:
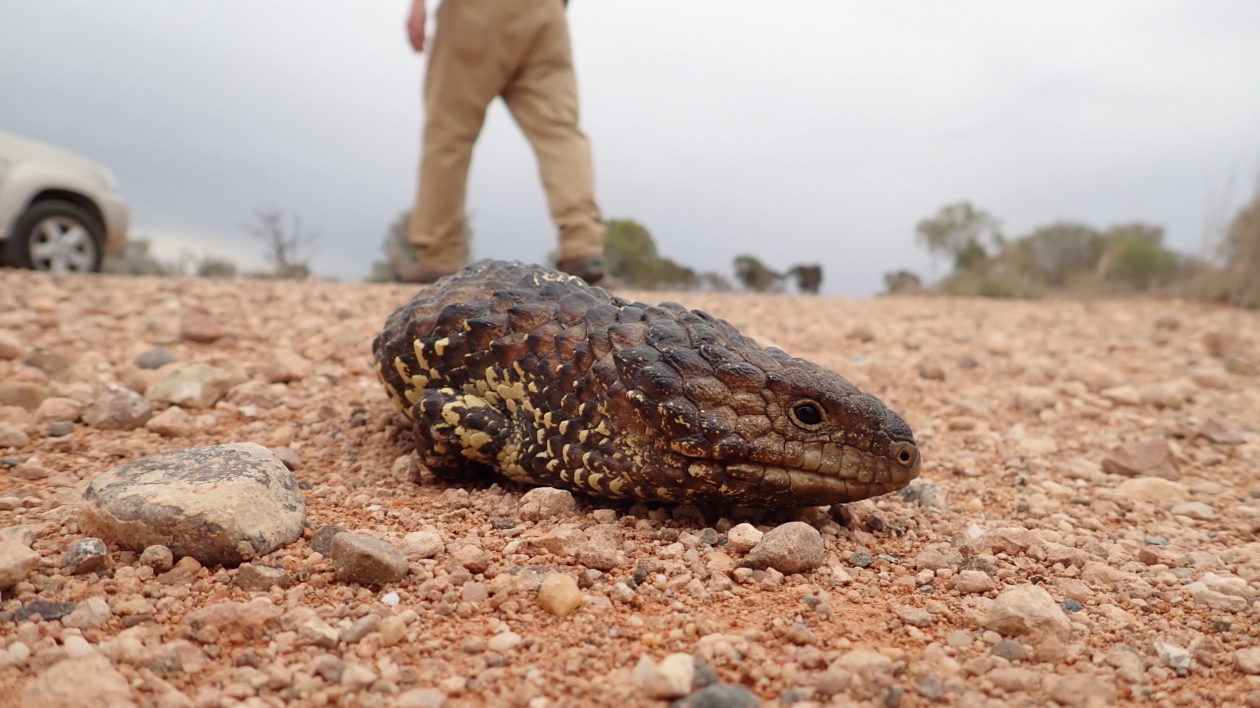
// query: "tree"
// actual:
[[959, 231], [629, 251], [808, 277], [755, 275], [286, 245], [630, 255], [1054, 252]]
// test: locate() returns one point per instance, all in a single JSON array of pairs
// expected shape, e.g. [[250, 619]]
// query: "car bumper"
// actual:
[[116, 219]]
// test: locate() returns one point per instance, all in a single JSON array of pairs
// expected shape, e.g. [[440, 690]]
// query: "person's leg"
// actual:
[[464, 74], [542, 97]]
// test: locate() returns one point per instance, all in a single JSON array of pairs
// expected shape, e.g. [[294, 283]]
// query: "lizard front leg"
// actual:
[[457, 431]]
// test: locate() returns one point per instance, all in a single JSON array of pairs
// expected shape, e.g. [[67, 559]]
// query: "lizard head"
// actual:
[[756, 427]]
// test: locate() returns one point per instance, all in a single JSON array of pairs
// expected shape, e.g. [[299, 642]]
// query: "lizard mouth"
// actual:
[[855, 475]]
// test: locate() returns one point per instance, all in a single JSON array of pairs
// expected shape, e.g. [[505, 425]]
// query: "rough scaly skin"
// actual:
[[549, 381]]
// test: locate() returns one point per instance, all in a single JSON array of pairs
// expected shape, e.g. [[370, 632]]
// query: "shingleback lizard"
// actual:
[[550, 381]]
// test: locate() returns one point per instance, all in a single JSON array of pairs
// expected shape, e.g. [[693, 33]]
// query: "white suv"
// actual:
[[59, 211]]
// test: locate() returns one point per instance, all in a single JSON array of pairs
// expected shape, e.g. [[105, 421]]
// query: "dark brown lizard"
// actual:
[[550, 381]]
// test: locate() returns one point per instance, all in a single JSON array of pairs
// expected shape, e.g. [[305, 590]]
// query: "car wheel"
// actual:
[[58, 237]]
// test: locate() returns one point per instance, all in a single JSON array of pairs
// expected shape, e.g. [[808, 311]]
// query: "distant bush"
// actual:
[[631, 257], [992, 279], [1141, 263], [215, 267], [902, 282], [1069, 259], [136, 259], [1240, 251], [1056, 253], [808, 277], [757, 276]]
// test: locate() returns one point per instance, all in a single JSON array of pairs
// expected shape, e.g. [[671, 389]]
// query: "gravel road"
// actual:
[[1086, 531]]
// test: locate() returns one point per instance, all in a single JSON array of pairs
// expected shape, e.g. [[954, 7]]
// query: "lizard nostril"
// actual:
[[906, 454]]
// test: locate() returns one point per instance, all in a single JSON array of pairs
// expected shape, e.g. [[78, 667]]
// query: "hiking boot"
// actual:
[[417, 273], [588, 268]]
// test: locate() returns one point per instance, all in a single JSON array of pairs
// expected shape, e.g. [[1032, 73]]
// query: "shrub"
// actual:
[[1141, 263], [1241, 253]]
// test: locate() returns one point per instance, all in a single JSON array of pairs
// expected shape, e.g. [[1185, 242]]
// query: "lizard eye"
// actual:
[[807, 414]]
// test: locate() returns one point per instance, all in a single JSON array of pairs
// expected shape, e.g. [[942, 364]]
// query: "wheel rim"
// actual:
[[60, 244]]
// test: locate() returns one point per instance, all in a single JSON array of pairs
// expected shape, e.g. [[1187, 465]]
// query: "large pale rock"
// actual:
[[91, 613], [1153, 490], [867, 667], [221, 504], [676, 675], [1152, 457], [87, 555], [359, 558], [1222, 432], [193, 385], [11, 347], [422, 544], [1248, 660], [1028, 610], [12, 435], [973, 581], [743, 537], [22, 394], [82, 681], [174, 422], [200, 325], [251, 620], [117, 408], [1167, 394], [794, 547], [285, 366], [260, 578], [55, 409], [545, 503], [17, 560]]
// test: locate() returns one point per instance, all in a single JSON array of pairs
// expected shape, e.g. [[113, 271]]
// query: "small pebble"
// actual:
[[794, 547], [159, 558], [86, 555], [362, 559], [503, 641], [260, 578], [393, 630], [321, 542], [741, 538], [559, 594]]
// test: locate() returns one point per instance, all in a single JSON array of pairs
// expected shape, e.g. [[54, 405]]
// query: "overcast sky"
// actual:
[[798, 131]]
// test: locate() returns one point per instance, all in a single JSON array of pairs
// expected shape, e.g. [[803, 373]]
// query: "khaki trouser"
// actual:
[[517, 49]]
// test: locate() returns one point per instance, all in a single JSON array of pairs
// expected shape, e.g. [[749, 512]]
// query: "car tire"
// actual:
[[56, 236]]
